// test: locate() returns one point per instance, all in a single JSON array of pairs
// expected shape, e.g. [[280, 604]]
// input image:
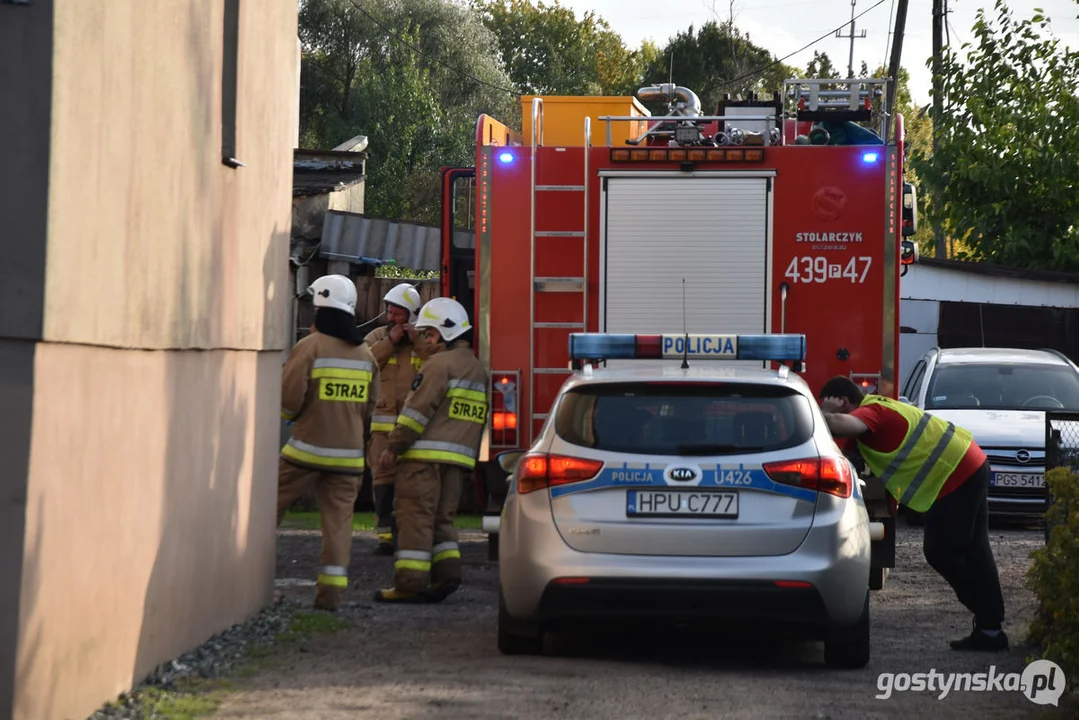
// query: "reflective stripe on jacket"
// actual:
[[398, 365], [930, 452], [329, 390], [443, 419]]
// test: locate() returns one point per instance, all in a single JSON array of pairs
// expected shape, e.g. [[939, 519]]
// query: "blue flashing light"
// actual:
[[505, 157], [870, 157], [766, 348]]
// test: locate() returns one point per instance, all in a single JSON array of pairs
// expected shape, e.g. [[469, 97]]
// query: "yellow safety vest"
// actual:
[[930, 452]]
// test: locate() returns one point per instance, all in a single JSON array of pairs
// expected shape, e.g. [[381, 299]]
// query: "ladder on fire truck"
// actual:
[[554, 284]]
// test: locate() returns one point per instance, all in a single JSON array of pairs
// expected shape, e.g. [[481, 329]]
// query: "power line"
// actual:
[[891, 31], [421, 53], [825, 36]]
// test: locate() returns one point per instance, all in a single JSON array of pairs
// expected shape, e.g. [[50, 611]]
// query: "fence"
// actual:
[[370, 290], [1061, 450], [369, 305], [1062, 440]]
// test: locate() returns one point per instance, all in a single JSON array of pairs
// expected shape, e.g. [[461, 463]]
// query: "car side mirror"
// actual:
[[508, 460]]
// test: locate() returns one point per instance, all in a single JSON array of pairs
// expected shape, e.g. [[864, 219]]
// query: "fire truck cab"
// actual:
[[773, 215]]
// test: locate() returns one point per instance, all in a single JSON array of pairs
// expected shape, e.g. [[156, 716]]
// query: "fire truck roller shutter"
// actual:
[[712, 231]]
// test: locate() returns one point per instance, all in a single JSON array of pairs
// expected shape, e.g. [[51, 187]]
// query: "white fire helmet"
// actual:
[[447, 316], [405, 296], [334, 291]]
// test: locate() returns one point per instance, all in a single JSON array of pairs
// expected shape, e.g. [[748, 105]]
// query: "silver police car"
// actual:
[[685, 491]]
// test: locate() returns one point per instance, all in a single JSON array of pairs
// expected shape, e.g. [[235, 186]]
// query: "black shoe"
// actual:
[[979, 641], [383, 549]]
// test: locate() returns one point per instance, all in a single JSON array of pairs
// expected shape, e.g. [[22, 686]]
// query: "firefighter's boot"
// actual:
[[393, 595], [385, 528], [328, 598], [445, 570]]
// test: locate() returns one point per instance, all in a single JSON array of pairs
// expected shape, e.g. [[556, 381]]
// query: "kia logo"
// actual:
[[683, 474], [1022, 456]]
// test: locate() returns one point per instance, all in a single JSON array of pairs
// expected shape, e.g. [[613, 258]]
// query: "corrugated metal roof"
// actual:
[[357, 238]]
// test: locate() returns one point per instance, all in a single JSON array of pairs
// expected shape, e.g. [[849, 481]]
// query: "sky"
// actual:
[[783, 26]]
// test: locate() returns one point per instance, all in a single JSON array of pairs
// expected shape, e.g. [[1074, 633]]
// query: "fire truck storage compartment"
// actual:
[[714, 232]]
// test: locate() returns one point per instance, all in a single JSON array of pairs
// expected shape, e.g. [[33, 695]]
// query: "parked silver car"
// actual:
[[1000, 395], [713, 492]]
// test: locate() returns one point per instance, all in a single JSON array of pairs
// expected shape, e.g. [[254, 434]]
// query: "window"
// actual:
[[684, 418], [1003, 386], [915, 379]]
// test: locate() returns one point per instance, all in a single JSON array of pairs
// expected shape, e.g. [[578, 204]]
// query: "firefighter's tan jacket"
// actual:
[[329, 390], [444, 416], [398, 365]]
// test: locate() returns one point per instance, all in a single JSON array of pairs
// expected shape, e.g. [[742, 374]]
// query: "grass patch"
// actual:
[[190, 693], [197, 700], [365, 521], [311, 623]]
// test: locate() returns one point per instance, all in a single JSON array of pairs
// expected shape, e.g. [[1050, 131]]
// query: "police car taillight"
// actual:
[[612, 346], [827, 475], [540, 471]]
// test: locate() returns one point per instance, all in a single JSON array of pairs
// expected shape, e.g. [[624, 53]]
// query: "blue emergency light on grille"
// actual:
[[610, 346]]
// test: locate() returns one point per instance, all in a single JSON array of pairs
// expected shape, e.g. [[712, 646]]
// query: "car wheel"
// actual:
[[877, 576], [851, 650], [510, 639]]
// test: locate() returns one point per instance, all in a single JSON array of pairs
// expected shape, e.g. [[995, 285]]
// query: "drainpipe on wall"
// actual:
[[299, 88]]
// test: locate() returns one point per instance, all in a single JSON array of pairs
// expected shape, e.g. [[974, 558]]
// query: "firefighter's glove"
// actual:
[[387, 462]]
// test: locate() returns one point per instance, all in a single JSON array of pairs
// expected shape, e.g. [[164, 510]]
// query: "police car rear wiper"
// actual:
[[715, 449]]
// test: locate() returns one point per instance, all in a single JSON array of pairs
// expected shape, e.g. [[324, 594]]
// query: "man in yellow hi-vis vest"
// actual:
[[329, 391], [933, 466], [437, 439]]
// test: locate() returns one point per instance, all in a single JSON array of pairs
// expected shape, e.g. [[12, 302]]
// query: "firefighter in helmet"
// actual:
[[329, 392], [395, 348], [434, 444]]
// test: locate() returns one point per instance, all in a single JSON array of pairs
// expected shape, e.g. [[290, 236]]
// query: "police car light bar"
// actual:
[[605, 346]]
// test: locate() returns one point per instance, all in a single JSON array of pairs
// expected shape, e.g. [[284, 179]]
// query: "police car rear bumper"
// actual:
[[648, 599]]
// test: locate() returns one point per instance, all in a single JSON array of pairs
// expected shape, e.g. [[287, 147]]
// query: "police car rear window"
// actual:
[[684, 419]]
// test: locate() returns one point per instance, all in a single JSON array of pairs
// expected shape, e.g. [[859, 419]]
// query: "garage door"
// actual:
[[710, 232]]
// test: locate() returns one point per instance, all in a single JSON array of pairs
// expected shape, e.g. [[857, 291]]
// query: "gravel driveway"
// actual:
[[441, 661]]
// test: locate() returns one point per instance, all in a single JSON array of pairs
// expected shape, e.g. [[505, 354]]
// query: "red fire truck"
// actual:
[[783, 214]]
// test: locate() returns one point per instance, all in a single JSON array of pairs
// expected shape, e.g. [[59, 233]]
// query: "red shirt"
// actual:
[[887, 428]]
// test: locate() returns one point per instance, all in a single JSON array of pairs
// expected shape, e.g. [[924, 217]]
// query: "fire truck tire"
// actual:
[[877, 577], [850, 650], [515, 640]]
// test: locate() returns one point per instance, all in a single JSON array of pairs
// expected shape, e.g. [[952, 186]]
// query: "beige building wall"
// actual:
[[150, 499]]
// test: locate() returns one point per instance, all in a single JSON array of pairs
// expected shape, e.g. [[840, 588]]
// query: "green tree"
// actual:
[[546, 50], [412, 75], [1005, 167], [715, 60]]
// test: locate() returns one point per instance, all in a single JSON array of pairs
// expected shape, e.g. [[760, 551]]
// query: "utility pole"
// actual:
[[893, 64], [938, 106], [853, 37]]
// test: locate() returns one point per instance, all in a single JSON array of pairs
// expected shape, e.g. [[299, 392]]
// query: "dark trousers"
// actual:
[[956, 545]]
